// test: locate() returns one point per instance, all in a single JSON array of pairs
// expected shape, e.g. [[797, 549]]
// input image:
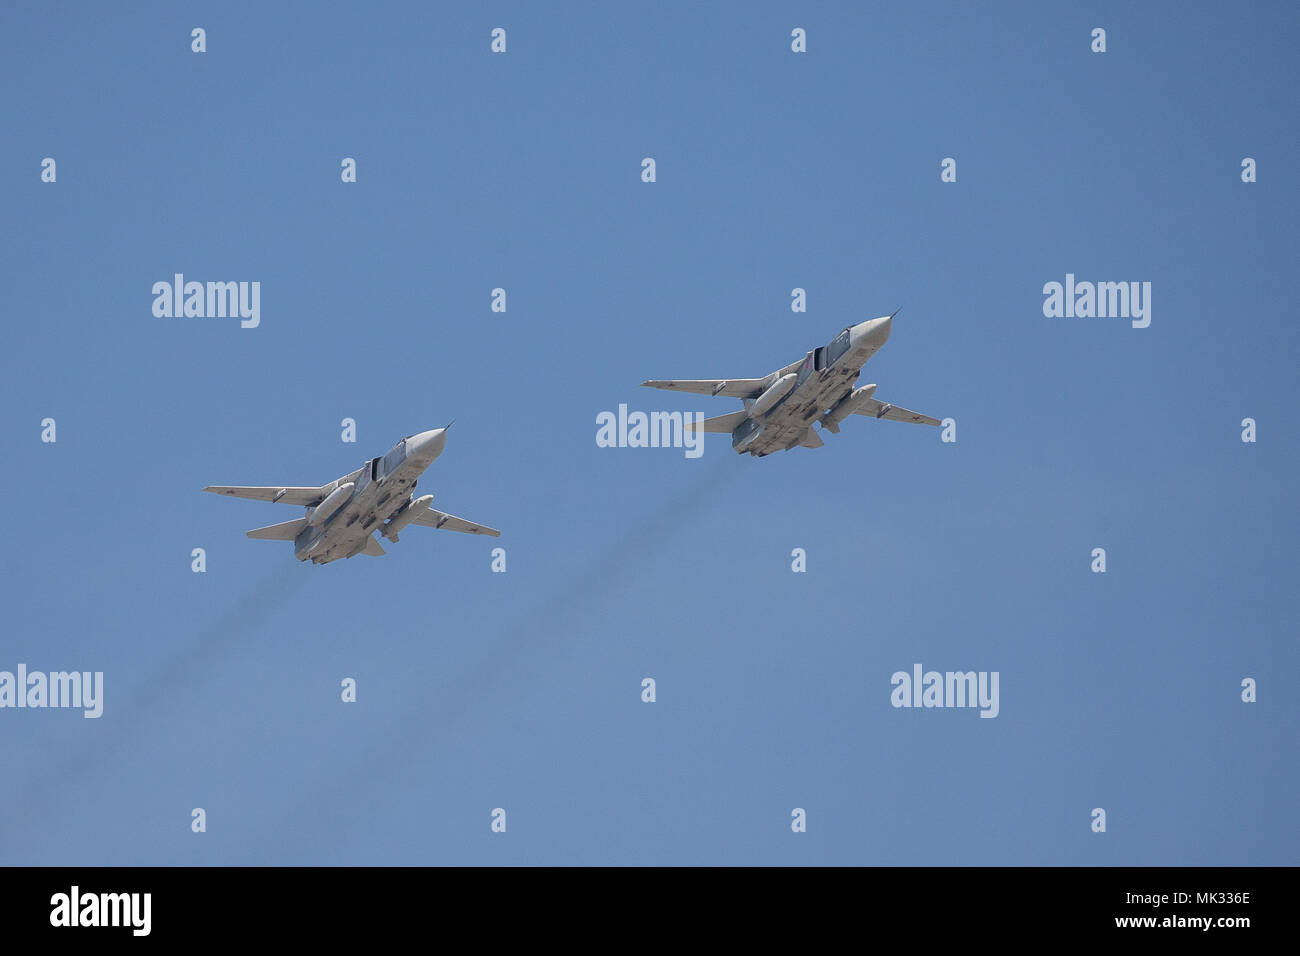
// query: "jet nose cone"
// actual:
[[875, 331], [427, 446]]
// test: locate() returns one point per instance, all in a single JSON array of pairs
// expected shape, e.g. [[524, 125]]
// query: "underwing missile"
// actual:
[[404, 517], [845, 407], [778, 390], [332, 503]]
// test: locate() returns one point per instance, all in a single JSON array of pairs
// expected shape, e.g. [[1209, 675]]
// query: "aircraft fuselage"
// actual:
[[822, 381], [382, 488]]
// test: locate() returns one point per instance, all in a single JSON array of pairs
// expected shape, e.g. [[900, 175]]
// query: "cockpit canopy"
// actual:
[[838, 346], [393, 459]]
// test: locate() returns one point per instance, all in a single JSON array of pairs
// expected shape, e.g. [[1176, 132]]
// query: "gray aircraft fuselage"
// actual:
[[823, 380], [381, 488], [342, 515]]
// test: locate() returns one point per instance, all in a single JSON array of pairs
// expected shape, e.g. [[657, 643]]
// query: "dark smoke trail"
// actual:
[[65, 777], [593, 585]]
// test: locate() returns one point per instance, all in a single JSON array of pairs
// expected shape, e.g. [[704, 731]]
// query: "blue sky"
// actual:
[[521, 690]]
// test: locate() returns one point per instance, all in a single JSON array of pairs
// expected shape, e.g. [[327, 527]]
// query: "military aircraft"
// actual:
[[781, 407], [342, 515]]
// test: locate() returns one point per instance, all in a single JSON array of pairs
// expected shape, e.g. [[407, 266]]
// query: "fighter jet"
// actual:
[[781, 408], [342, 515]]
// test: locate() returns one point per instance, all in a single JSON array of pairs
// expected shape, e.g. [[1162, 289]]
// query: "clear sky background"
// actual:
[[522, 690]]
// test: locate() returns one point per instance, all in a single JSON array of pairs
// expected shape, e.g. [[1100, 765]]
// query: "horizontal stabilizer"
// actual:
[[810, 439], [285, 531], [277, 493], [730, 387], [722, 423], [877, 409], [373, 548], [440, 519]]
